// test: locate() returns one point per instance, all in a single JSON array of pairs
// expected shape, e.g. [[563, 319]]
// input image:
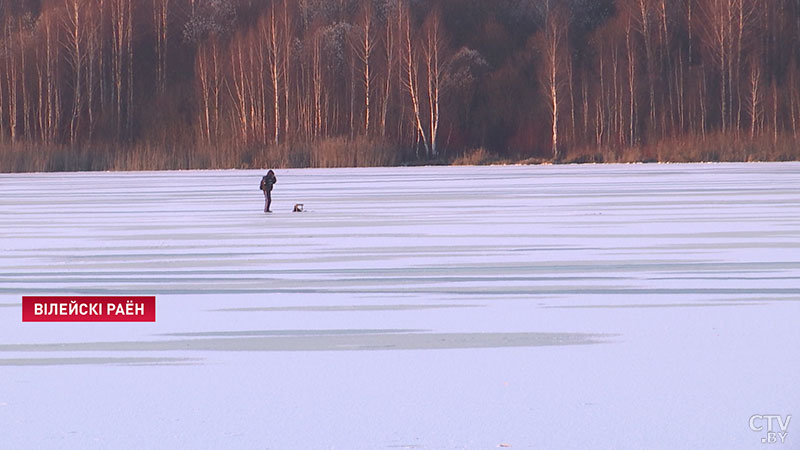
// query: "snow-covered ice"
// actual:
[[547, 307]]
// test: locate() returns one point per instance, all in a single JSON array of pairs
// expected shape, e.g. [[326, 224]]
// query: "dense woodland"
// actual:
[[136, 84]]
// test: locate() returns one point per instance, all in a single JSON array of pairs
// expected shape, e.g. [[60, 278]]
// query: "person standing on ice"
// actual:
[[267, 181]]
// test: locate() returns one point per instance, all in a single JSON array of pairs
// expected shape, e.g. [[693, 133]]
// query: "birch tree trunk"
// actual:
[[553, 43], [161, 21], [410, 76], [75, 30], [387, 86], [364, 47], [434, 62]]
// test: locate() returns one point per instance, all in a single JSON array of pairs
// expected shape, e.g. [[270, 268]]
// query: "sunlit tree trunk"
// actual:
[[703, 107], [210, 81], [571, 85], [631, 84], [718, 15], [433, 52], [352, 97], [92, 48], [644, 22], [269, 34], [102, 22], [4, 60], [239, 94], [410, 77], [690, 30], [287, 69], [317, 86], [663, 100], [775, 108], [615, 102], [754, 105], [680, 89], [121, 59], [26, 110], [205, 103], [600, 114], [585, 103], [553, 46], [40, 104], [75, 28], [364, 46], [261, 88], [129, 54], [390, 61], [793, 93], [161, 21]]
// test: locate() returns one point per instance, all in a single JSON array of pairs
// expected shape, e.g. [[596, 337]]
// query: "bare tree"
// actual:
[[122, 63], [410, 77], [435, 58], [792, 86], [391, 12], [209, 21], [160, 23], [723, 36], [5, 60], [755, 100], [270, 35], [76, 30], [364, 45], [102, 24], [286, 37], [775, 108], [53, 91], [744, 20], [667, 67], [241, 93], [317, 85], [553, 45], [571, 85], [690, 30], [12, 75], [129, 54], [210, 80], [631, 60], [92, 56], [644, 22], [23, 33], [40, 105]]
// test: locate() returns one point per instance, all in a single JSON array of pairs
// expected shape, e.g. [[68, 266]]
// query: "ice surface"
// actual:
[[587, 307]]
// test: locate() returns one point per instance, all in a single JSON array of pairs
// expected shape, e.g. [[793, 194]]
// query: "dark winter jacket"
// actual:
[[267, 181]]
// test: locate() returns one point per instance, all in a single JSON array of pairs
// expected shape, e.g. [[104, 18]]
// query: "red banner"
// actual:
[[89, 309]]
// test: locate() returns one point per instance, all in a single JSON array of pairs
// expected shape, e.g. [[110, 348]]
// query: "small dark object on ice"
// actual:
[[298, 207]]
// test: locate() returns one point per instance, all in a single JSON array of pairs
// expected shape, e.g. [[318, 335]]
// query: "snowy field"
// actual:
[[550, 307]]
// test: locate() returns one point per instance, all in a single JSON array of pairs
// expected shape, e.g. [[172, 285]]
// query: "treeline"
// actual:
[[121, 84]]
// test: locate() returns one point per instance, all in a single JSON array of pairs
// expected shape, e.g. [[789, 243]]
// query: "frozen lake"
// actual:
[[549, 307]]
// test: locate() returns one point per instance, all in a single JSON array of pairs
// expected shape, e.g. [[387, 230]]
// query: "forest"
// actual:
[[174, 84]]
